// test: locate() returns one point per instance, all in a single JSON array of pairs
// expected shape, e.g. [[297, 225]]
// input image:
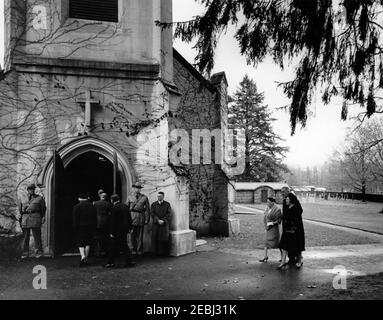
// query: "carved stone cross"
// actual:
[[88, 101]]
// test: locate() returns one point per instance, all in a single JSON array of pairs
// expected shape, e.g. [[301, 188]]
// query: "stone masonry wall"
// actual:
[[244, 196], [199, 108], [45, 115]]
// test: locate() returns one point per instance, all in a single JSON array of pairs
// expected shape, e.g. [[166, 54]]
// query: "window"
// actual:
[[99, 10]]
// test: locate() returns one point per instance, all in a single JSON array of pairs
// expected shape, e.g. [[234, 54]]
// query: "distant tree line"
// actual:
[[355, 167]]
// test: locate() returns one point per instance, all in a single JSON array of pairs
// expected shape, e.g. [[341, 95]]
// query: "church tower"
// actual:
[[90, 97], [114, 31], [94, 87]]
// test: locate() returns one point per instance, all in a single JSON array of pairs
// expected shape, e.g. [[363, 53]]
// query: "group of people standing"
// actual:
[[291, 239], [110, 224]]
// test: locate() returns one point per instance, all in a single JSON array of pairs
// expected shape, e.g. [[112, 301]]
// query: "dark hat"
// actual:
[[83, 196], [115, 198], [137, 185], [31, 186], [100, 191]]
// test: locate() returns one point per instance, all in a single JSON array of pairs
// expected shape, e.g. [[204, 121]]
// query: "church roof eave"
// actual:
[[205, 82]]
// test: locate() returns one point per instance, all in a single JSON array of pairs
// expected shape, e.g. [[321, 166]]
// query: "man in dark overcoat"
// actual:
[[103, 209], [161, 218], [119, 226]]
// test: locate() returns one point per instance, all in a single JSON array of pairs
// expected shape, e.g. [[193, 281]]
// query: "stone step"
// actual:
[[200, 242]]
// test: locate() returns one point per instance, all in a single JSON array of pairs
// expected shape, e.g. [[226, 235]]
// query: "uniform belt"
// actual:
[[136, 211]]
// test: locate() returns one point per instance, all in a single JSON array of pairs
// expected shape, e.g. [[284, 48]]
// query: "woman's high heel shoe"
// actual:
[[280, 267], [264, 259], [299, 264]]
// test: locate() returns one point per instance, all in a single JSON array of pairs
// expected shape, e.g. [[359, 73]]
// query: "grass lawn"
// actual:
[[252, 235], [346, 213]]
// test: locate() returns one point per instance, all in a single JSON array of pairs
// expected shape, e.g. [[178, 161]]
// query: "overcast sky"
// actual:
[[310, 146]]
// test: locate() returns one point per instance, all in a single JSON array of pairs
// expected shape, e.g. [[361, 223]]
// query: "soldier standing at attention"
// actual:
[[140, 213], [32, 212]]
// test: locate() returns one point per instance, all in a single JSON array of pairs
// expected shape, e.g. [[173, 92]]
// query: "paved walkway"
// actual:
[[210, 273], [357, 259], [361, 259]]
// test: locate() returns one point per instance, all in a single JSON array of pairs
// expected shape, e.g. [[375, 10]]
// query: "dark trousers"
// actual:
[[117, 244], [161, 247], [138, 239], [36, 232], [101, 241]]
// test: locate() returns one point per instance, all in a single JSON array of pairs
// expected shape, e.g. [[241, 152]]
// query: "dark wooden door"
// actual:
[[58, 205], [264, 196]]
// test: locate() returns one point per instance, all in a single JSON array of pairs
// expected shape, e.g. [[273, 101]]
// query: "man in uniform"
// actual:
[[161, 217], [140, 212], [103, 209], [32, 210]]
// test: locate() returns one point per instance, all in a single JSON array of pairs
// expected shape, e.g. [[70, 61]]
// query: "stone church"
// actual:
[[90, 94]]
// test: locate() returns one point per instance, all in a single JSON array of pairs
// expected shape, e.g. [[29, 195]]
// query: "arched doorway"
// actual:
[[75, 154], [87, 173]]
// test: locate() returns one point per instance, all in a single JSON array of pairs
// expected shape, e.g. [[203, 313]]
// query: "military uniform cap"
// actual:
[[137, 185]]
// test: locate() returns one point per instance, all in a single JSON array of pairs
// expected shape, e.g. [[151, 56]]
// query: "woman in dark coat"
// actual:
[[293, 238], [84, 223]]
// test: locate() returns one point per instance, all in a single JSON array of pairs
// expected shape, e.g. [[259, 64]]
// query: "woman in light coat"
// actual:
[[272, 219]]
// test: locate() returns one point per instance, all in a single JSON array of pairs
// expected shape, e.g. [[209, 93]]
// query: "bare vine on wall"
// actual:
[[39, 112]]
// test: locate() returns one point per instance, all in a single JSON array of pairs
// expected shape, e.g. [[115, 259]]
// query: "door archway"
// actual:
[[82, 148]]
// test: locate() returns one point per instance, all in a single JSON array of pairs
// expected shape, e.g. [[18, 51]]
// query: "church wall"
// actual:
[[124, 66], [51, 33], [225, 222], [166, 41], [48, 117], [199, 108], [8, 149]]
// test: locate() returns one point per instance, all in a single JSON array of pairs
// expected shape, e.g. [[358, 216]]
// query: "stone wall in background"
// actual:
[[202, 107]]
